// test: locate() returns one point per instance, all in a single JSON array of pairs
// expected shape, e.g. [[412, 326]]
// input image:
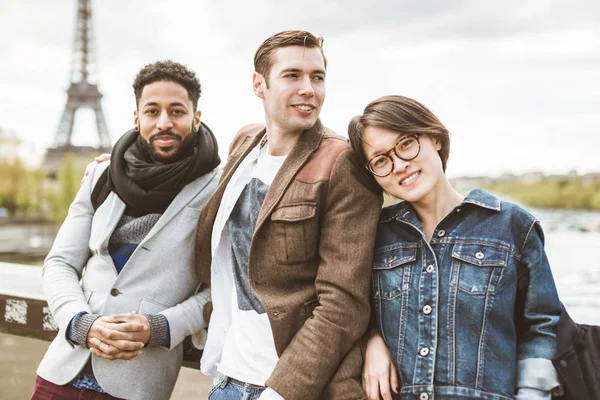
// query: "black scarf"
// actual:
[[146, 187]]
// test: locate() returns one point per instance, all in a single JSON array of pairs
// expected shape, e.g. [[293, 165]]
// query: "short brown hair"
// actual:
[[265, 55], [400, 114], [170, 71]]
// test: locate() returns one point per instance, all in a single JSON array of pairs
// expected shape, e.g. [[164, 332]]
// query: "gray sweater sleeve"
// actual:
[[159, 330], [80, 326]]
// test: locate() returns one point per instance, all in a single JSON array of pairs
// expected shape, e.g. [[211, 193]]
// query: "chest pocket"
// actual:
[[392, 270], [477, 268], [296, 232]]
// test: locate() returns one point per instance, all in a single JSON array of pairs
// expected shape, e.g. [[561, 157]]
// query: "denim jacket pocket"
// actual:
[[476, 268], [392, 271]]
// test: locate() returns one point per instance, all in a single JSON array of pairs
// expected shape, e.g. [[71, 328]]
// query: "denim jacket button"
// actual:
[[427, 309], [423, 396], [441, 232], [424, 351], [479, 255], [429, 268]]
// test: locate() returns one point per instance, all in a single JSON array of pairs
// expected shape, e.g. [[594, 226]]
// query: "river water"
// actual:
[[575, 260]]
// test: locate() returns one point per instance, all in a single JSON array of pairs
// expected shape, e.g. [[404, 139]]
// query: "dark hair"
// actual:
[[265, 55], [168, 71], [400, 114]]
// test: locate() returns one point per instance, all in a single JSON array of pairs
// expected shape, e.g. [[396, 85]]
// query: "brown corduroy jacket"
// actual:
[[310, 262]]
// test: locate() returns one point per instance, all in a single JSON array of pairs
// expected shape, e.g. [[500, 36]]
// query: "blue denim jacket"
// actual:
[[473, 313]]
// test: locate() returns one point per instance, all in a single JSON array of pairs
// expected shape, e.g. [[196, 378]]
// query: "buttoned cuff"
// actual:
[[270, 394], [537, 373], [159, 330], [532, 394], [80, 327]]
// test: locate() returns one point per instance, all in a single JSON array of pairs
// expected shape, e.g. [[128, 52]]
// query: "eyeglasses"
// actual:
[[407, 148]]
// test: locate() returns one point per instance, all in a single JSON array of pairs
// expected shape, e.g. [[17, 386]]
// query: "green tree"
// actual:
[[61, 197], [29, 193], [12, 180], [568, 193], [595, 197]]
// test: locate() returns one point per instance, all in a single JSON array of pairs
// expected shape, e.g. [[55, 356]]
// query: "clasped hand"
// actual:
[[119, 336]]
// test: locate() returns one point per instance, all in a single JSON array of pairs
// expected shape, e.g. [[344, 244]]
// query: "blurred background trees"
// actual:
[[25, 192], [559, 192]]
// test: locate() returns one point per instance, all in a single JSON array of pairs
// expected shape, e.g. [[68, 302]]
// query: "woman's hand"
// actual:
[[379, 371], [101, 158]]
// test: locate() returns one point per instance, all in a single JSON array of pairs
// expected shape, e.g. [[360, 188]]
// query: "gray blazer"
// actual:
[[79, 275]]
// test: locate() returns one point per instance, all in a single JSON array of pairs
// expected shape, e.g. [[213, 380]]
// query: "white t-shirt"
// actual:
[[240, 340]]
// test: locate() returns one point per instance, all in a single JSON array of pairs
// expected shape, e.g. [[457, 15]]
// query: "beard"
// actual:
[[170, 154]]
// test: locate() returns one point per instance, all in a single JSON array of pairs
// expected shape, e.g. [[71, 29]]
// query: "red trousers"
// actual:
[[45, 390]]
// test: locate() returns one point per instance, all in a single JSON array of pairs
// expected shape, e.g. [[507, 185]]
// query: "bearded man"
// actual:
[[120, 278]]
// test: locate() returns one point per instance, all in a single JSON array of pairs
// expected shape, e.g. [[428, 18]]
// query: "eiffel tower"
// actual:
[[82, 93]]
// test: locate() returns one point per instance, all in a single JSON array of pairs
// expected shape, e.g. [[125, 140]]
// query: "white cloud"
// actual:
[[495, 73]]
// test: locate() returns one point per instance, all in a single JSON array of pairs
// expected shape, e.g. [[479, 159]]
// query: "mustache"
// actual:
[[165, 135]]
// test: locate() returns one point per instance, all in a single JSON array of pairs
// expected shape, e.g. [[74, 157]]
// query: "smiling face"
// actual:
[[166, 119], [295, 90], [411, 180]]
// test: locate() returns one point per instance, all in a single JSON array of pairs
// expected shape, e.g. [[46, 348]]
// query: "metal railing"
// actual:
[[22, 304]]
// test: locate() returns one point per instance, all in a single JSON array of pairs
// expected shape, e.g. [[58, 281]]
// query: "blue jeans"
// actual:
[[232, 389]]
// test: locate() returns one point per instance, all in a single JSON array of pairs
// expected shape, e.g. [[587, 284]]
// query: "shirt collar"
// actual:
[[404, 210]]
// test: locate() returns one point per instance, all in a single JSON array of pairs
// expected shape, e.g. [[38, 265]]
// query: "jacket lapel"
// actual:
[[116, 208], [306, 146], [209, 212], [246, 147], [184, 197]]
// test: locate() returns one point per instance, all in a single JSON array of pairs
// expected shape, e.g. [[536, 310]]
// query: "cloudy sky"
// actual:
[[517, 82]]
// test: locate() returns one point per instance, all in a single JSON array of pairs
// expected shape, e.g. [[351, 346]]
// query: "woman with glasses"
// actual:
[[464, 303]]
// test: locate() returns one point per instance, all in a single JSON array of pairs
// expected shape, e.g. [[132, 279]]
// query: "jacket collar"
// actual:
[[307, 144], [404, 210], [483, 199]]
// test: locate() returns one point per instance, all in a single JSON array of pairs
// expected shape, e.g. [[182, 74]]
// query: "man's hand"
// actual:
[[102, 157], [119, 336], [379, 373], [130, 326]]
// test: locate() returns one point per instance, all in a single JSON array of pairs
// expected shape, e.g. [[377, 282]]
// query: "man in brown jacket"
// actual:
[[286, 243]]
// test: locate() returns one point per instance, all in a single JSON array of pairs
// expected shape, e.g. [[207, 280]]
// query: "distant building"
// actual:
[[531, 177], [466, 183], [590, 177], [507, 178]]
